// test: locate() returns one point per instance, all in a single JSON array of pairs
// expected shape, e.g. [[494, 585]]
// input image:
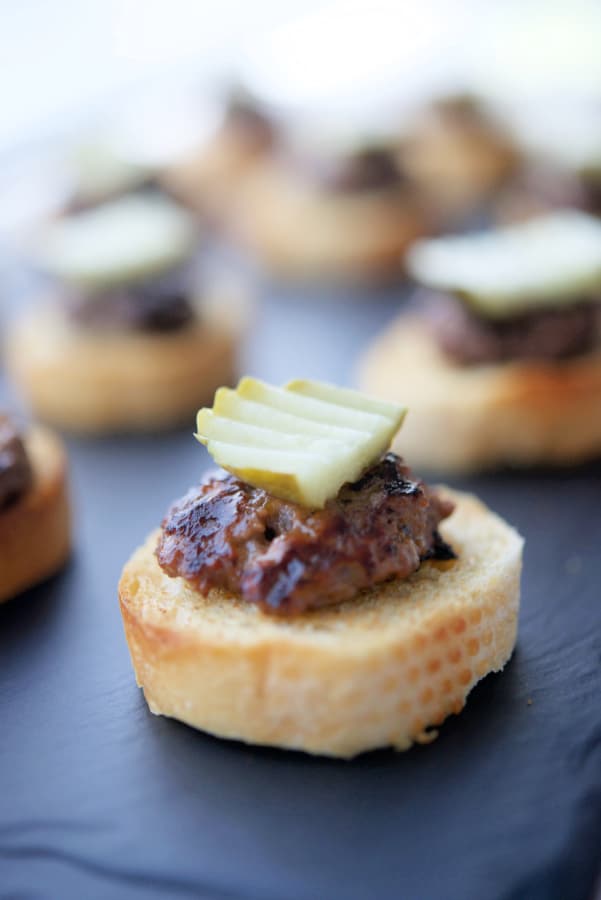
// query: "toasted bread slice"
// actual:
[[89, 381], [375, 671], [208, 179], [298, 232], [465, 418], [35, 531]]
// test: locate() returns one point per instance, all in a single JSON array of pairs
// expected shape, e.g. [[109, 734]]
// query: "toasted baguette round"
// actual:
[[375, 671], [35, 533], [465, 418], [99, 382], [207, 180], [297, 231], [457, 166]]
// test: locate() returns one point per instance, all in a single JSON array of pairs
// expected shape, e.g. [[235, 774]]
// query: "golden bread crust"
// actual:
[[94, 382], [35, 539], [457, 170], [463, 418], [207, 179], [372, 672], [299, 232]]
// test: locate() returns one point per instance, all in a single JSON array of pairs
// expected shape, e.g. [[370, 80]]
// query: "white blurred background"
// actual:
[[62, 59]]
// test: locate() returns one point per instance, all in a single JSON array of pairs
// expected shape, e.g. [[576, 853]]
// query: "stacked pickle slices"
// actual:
[[301, 442]]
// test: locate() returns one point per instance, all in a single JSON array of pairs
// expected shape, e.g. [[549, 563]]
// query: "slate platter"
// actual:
[[98, 798]]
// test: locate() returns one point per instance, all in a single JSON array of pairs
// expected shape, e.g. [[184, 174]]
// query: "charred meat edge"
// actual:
[[287, 559]]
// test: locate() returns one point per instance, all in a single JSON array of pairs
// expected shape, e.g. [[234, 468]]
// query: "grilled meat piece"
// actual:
[[470, 339], [16, 475], [368, 169], [371, 169], [157, 304], [288, 559]]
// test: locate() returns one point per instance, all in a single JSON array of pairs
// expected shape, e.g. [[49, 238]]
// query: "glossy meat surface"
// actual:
[[288, 559]]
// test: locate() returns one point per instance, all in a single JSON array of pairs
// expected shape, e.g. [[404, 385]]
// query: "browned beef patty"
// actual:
[[368, 169], [159, 304], [288, 559], [469, 339], [16, 476]]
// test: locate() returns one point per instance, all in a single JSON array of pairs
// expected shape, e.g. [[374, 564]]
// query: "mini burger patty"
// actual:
[[469, 339], [158, 304], [368, 169], [16, 476], [288, 559]]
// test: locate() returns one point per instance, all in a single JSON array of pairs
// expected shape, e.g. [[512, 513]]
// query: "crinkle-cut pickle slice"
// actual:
[[210, 427], [230, 405], [301, 442], [309, 408], [329, 393]]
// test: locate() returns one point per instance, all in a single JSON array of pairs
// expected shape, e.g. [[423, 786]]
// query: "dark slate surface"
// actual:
[[98, 798]]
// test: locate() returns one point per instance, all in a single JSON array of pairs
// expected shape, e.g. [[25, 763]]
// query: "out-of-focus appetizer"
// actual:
[[500, 357], [324, 208], [130, 337], [209, 175], [35, 536], [458, 155], [195, 146]]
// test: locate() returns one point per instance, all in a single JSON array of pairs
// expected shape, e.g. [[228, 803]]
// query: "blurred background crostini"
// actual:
[[498, 355], [129, 327]]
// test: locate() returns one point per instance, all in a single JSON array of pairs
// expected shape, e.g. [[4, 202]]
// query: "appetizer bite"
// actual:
[[146, 139], [328, 208], [500, 357], [458, 156], [34, 507], [208, 176], [131, 337], [561, 148], [313, 594], [96, 172]]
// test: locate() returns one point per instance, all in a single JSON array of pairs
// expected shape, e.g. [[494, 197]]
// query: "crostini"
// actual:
[[313, 594], [499, 356]]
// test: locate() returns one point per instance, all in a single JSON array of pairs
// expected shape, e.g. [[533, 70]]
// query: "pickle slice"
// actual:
[[551, 261], [292, 441], [308, 408], [329, 393], [300, 477], [118, 242], [229, 404], [210, 427]]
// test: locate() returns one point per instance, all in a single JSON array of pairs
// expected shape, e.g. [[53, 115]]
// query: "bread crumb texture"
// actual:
[[378, 670]]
